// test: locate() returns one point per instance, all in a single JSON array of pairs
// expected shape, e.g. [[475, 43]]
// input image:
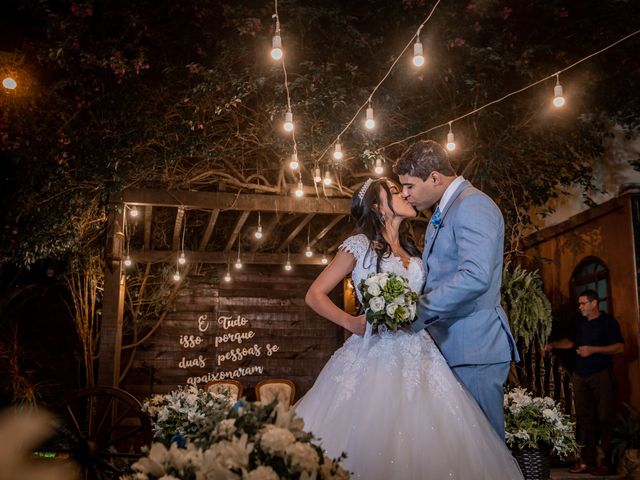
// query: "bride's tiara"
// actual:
[[364, 188]]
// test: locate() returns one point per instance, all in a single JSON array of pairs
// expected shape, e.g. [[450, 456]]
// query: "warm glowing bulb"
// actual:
[[176, 276], [227, 277], [558, 99], [308, 252], [258, 233], [276, 47], [238, 264], [299, 190], [287, 266], [294, 164], [324, 260], [451, 144], [133, 212], [418, 56], [9, 83], [127, 261], [337, 153], [288, 122], [369, 122], [182, 260], [379, 169], [317, 176], [327, 178]]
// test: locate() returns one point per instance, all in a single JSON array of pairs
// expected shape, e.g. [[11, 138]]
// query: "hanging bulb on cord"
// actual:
[[176, 276], [317, 175], [369, 122], [133, 212], [558, 98], [337, 153], [379, 169], [327, 178], [258, 233], [294, 164], [299, 190], [308, 252], [324, 260], [276, 46], [127, 261], [288, 122], [451, 142], [182, 259], [418, 55]]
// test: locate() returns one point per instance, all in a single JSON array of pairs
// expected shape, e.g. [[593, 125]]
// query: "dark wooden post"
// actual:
[[113, 299]]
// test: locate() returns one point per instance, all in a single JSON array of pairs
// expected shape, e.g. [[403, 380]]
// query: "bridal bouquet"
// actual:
[[388, 300]]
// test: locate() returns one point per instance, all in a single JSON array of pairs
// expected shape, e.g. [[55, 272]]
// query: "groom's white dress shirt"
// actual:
[[453, 186]]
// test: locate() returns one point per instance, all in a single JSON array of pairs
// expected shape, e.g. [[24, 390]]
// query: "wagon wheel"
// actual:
[[103, 429]]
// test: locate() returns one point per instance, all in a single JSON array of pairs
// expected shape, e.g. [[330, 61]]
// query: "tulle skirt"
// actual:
[[393, 405]]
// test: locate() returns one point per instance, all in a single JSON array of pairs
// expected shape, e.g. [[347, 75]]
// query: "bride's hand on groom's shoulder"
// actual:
[[357, 325]]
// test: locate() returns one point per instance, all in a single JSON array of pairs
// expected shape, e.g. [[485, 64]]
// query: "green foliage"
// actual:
[[526, 304]]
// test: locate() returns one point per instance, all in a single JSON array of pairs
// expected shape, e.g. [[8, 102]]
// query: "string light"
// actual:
[[378, 169], [294, 164], [558, 99], [324, 260], [337, 153], [327, 178], [369, 122], [288, 122], [176, 276], [227, 277], [308, 252], [287, 266], [451, 142], [133, 212], [238, 264], [258, 233], [418, 54], [127, 261], [182, 259], [9, 83], [317, 176], [276, 41], [299, 190]]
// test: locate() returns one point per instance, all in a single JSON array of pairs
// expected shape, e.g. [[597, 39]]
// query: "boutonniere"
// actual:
[[436, 220]]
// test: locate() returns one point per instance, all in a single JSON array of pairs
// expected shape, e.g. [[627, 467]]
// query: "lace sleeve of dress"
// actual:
[[356, 245]]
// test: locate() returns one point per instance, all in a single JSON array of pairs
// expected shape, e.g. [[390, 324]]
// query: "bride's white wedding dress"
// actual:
[[391, 402]]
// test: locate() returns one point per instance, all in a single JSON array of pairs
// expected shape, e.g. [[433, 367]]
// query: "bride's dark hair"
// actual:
[[369, 220]]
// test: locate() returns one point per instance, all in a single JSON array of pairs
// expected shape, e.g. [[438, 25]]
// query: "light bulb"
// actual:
[[324, 260], [276, 47], [299, 190], [9, 83], [308, 252], [176, 276], [288, 122], [133, 212], [258, 233], [451, 144], [369, 122], [294, 164], [227, 277], [238, 264], [127, 261], [182, 260], [327, 178], [337, 153], [287, 266], [317, 176], [379, 169], [418, 56], [558, 99]]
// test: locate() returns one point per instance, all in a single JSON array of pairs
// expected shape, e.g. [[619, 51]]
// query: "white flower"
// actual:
[[372, 280], [376, 304], [391, 309], [226, 427], [263, 472], [374, 290], [383, 278], [275, 440], [550, 415], [399, 300], [303, 457]]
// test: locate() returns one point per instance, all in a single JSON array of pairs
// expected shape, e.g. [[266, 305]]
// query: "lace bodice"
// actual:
[[358, 246]]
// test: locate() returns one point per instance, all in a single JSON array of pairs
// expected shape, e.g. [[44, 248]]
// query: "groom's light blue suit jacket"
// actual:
[[460, 304]]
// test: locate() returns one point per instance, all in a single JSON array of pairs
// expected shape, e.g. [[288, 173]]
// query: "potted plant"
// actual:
[[535, 427], [625, 445]]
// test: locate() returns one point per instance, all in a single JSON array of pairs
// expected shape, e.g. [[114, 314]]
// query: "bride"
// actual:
[[388, 399]]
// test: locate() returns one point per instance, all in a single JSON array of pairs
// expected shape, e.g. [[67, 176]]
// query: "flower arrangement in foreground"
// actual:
[[185, 413], [534, 422], [252, 442], [388, 300]]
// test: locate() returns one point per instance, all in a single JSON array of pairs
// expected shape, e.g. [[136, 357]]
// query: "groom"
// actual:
[[460, 304]]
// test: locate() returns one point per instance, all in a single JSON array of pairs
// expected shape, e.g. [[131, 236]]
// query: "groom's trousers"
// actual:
[[485, 383]]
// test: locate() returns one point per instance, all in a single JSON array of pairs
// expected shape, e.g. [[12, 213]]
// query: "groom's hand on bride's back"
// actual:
[[357, 325]]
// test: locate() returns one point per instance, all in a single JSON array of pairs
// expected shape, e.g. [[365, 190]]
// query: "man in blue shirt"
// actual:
[[597, 339]]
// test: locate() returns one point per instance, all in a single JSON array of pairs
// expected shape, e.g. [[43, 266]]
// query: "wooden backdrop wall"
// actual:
[[263, 308]]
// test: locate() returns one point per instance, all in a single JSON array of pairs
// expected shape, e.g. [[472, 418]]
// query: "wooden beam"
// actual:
[[326, 230], [243, 218], [295, 232], [213, 218], [232, 201], [148, 212], [177, 229], [168, 256]]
